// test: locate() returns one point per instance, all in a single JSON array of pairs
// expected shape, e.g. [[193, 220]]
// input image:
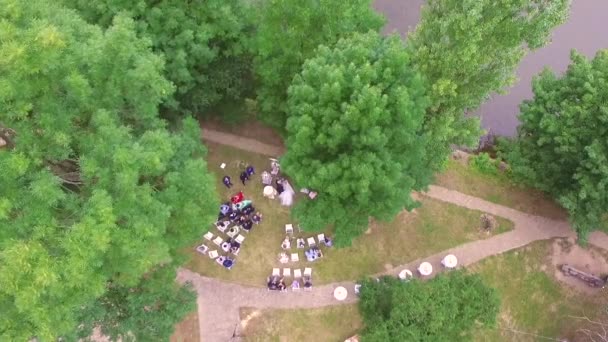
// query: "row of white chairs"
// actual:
[[297, 273]]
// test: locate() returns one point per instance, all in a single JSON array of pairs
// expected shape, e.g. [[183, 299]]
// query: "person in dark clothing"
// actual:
[[250, 170], [233, 216], [248, 210], [247, 225], [279, 186], [227, 181], [244, 177]]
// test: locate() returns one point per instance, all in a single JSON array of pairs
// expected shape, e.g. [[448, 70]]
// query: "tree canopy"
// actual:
[[445, 308], [355, 112], [96, 193], [469, 49], [204, 43], [562, 142], [288, 32]]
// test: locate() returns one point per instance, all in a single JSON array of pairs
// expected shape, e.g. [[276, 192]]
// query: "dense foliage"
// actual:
[[204, 44], [443, 309], [562, 143], [355, 114], [288, 32], [96, 193], [468, 49]]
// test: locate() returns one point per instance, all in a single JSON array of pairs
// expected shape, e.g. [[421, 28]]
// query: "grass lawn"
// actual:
[[431, 228], [498, 189], [187, 330], [335, 323], [532, 302]]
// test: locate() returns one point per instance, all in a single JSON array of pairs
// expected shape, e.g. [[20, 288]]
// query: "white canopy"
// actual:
[[425, 268], [449, 261], [340, 293], [270, 192]]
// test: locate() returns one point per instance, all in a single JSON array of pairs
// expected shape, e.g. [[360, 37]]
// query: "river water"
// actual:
[[586, 31]]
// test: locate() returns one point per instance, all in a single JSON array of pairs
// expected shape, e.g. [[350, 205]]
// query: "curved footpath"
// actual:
[[219, 302]]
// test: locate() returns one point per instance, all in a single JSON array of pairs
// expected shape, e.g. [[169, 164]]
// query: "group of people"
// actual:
[[313, 254], [240, 211], [275, 283], [245, 176]]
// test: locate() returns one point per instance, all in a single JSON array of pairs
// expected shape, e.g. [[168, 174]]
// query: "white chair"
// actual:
[[308, 272], [295, 257], [276, 272], [321, 238], [208, 236], [218, 241], [239, 238], [311, 242], [297, 273], [202, 249], [289, 228], [213, 254], [287, 272], [232, 232], [221, 226]]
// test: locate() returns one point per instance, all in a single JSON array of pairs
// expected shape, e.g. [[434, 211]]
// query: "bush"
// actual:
[[484, 164]]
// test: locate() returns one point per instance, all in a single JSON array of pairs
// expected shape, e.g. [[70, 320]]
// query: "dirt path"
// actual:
[[241, 143], [219, 302]]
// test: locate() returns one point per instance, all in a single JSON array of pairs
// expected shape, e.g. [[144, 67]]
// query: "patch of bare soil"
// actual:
[[588, 260]]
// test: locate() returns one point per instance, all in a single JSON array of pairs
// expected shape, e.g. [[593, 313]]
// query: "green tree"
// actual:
[[562, 142], [288, 32], [443, 309], [468, 49], [353, 134], [205, 45], [96, 193]]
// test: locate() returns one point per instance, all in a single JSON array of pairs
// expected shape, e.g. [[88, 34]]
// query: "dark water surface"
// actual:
[[586, 31]]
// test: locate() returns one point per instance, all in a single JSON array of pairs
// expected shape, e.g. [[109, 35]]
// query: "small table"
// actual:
[[225, 246], [232, 232]]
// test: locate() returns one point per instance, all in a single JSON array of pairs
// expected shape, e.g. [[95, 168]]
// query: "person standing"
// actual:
[[227, 182]]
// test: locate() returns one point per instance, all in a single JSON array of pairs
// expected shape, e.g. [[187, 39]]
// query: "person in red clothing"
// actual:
[[237, 198]]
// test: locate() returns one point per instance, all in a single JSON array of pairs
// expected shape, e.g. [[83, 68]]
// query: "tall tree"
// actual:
[[288, 32], [96, 193], [468, 49], [562, 143], [443, 309], [355, 112], [204, 44]]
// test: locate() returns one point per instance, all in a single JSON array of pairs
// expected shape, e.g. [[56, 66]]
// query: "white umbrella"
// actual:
[[425, 268], [405, 274], [340, 293], [450, 261], [269, 192]]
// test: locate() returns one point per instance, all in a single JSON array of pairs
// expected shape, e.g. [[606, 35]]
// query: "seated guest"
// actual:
[[301, 243], [248, 210], [271, 284], [257, 218], [247, 224], [307, 283], [242, 219], [233, 216], [234, 246], [250, 170], [282, 285], [237, 198], [295, 285], [328, 242]]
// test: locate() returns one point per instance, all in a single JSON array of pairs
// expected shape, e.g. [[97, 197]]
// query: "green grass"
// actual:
[[498, 189], [532, 300], [335, 323], [434, 227]]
